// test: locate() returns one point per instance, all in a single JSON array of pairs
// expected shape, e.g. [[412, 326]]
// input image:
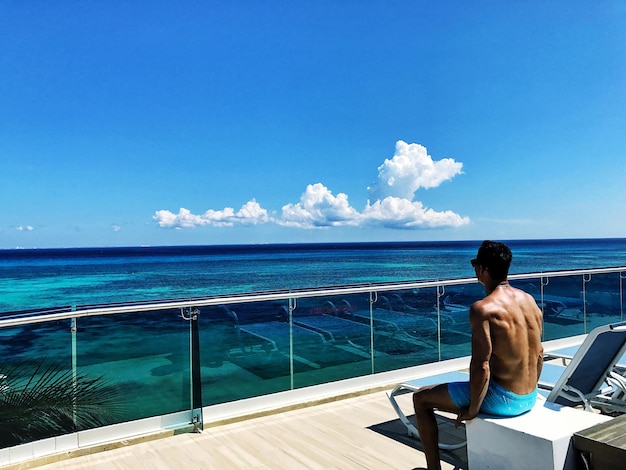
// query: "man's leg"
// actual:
[[425, 401]]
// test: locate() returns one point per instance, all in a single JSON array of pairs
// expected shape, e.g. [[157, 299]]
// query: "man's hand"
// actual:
[[463, 415]]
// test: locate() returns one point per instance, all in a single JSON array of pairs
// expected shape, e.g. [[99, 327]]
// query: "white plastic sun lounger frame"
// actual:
[[415, 385], [590, 379]]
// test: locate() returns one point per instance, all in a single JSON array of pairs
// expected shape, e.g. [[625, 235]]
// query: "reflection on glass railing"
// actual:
[[243, 351], [41, 399], [42, 394], [145, 356], [603, 302]]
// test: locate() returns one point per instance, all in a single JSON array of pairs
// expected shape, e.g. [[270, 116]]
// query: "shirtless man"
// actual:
[[507, 355]]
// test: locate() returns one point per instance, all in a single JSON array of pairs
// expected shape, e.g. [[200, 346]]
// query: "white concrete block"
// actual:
[[44, 447], [540, 439]]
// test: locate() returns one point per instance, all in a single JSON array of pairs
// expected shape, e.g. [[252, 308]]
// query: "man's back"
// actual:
[[515, 326]]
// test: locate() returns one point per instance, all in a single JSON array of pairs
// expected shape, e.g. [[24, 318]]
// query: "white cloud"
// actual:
[[116, 228], [251, 213], [408, 170], [184, 219], [25, 228], [394, 212], [319, 208]]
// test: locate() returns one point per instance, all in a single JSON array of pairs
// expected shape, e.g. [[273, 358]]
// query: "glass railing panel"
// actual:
[[244, 350], [534, 287], [35, 375], [143, 356], [563, 308], [336, 338], [531, 286], [454, 304], [405, 322], [603, 301]]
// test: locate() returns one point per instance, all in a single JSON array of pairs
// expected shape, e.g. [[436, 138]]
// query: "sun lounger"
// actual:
[[411, 324], [277, 334], [336, 329], [415, 385], [566, 354], [404, 320], [589, 379]]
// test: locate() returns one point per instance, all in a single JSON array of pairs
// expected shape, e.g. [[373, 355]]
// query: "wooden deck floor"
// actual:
[[355, 433]]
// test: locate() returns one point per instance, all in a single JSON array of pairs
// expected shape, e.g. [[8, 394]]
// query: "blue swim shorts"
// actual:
[[499, 401]]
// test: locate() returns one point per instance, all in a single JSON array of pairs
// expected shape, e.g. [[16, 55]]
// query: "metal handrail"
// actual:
[[35, 317]]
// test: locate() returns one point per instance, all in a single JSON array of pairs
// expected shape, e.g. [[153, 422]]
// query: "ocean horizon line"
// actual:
[[125, 249]]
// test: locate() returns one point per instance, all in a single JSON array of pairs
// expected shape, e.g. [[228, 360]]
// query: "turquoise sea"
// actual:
[[48, 278]]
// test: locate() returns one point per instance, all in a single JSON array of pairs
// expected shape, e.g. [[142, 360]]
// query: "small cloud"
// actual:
[[410, 169], [25, 228], [319, 208], [398, 213], [116, 227], [251, 213]]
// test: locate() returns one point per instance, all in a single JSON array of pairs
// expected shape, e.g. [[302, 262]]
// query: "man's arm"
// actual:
[[540, 355], [479, 365]]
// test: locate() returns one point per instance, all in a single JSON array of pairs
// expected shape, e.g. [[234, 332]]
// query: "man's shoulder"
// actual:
[[480, 308], [525, 298]]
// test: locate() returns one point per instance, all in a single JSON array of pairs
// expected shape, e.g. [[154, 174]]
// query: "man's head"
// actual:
[[495, 257]]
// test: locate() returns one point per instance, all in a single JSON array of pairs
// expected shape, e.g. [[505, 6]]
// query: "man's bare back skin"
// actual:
[[513, 325]]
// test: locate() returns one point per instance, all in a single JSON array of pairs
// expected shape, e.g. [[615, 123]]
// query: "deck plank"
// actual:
[[343, 435]]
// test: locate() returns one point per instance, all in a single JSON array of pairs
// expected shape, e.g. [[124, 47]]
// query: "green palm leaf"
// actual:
[[43, 400]]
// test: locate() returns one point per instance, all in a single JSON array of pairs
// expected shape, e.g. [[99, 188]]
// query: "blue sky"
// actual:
[[212, 122]]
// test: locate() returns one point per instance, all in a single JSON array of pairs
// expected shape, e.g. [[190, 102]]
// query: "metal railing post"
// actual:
[[195, 376], [372, 300], [292, 307], [621, 296], [586, 279], [441, 291], [74, 330]]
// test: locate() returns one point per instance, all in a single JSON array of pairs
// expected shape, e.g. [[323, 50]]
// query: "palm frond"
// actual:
[[46, 399]]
